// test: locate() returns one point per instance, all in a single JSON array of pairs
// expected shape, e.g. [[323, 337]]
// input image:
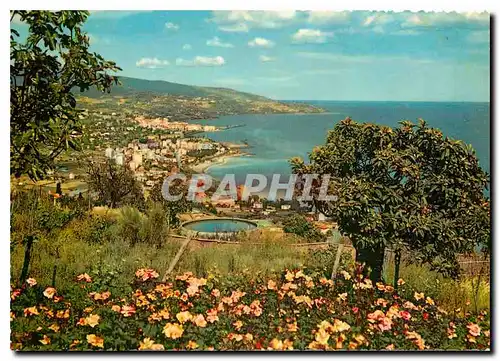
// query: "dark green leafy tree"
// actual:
[[299, 225], [406, 188], [45, 70]]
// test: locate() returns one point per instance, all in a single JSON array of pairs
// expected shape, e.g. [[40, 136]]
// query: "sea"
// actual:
[[275, 138]]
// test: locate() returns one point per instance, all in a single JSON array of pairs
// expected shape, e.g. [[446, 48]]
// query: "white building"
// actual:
[[119, 159], [109, 152]]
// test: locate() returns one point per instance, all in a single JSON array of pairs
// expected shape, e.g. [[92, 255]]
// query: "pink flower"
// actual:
[[474, 329], [405, 315], [31, 282], [385, 324]]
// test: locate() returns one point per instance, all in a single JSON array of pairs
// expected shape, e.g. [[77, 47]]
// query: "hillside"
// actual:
[[183, 102]]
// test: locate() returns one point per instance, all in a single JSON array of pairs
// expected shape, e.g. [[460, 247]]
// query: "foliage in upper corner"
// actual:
[[405, 187], [44, 69]]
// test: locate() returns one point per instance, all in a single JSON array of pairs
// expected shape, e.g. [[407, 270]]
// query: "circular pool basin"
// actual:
[[218, 226]]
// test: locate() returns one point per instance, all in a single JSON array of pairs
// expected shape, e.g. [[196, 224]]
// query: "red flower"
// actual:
[[425, 316], [355, 309]]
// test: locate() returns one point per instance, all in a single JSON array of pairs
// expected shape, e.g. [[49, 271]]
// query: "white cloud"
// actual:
[[266, 59], [261, 42], [440, 19], [151, 63], [328, 17], [311, 36], [201, 61], [171, 26], [215, 41], [235, 28], [186, 47], [378, 19], [242, 21], [479, 37], [410, 32]]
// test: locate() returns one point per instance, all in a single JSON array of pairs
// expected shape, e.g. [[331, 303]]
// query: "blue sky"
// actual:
[[304, 55]]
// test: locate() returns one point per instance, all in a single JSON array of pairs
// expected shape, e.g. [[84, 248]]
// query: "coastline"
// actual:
[[219, 160]]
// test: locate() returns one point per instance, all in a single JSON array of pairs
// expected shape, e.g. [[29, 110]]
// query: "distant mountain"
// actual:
[[184, 102], [130, 86]]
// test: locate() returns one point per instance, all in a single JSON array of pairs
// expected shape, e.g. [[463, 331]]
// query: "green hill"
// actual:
[[183, 102]]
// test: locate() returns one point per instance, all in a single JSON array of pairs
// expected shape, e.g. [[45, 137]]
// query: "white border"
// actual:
[[395, 5]]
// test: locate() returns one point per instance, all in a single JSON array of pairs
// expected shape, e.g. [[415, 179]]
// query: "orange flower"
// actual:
[[215, 292], [62, 314], [322, 336], [173, 330], [191, 345], [127, 311], [289, 276], [212, 315], [277, 344], [390, 347], [199, 321], [45, 340], [49, 292], [31, 282], [429, 301], [340, 326], [95, 341], [401, 282], [271, 285], [116, 308], [146, 273], [292, 327], [474, 329], [84, 277]]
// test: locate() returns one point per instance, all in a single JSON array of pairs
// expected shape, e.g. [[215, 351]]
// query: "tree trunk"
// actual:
[[373, 258]]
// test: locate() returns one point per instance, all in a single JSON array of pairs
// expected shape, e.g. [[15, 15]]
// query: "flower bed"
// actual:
[[301, 309]]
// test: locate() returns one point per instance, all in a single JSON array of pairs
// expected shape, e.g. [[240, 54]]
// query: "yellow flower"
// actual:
[[45, 340], [54, 327], [276, 344], [429, 301], [289, 276], [157, 347], [322, 336], [116, 308], [173, 330], [418, 296], [49, 292], [147, 344], [30, 311], [342, 297], [62, 314], [200, 321], [95, 340], [92, 320], [340, 326], [184, 316], [191, 345], [238, 324], [12, 316], [346, 275]]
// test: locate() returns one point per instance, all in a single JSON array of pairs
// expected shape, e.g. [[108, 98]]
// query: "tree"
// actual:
[[404, 188], [45, 70], [299, 225], [115, 185], [172, 208]]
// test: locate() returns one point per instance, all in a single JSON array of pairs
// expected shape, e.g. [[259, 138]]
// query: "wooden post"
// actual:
[[176, 259], [340, 248], [397, 259], [27, 258]]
